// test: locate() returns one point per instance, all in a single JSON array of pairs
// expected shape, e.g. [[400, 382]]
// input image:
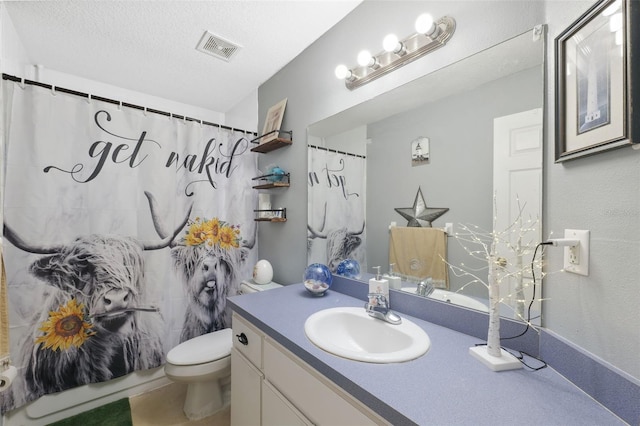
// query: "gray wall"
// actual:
[[459, 175], [601, 193], [599, 312]]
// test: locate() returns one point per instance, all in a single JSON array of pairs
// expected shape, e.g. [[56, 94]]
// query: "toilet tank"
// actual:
[[249, 286]]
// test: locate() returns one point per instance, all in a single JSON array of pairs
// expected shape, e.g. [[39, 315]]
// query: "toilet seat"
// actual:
[[202, 349]]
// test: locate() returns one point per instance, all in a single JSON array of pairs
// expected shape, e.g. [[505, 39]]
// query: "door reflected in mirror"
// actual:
[[481, 116]]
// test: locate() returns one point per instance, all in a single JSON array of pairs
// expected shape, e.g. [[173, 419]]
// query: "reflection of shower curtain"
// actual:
[[336, 208], [98, 284]]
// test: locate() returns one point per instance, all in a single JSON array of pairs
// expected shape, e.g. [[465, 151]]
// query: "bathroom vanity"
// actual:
[[271, 386], [280, 377]]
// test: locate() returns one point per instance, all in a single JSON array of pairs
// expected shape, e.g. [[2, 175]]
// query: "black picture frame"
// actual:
[[595, 88]]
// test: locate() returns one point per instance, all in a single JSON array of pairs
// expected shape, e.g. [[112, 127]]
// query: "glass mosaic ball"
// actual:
[[349, 268], [317, 279], [278, 174]]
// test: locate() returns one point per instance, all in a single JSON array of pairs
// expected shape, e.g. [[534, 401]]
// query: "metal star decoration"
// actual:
[[420, 215]]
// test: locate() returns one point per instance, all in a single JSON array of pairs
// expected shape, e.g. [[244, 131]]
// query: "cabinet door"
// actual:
[[245, 391], [321, 402], [277, 411]]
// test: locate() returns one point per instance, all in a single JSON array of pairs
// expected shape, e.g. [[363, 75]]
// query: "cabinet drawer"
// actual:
[[247, 340]]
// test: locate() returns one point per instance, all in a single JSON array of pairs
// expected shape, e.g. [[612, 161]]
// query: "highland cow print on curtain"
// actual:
[[124, 234], [336, 208]]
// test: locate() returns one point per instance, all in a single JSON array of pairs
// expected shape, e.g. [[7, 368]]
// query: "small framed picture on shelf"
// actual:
[[595, 84], [273, 121]]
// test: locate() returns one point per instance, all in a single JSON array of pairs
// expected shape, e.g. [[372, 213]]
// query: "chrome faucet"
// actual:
[[378, 307], [425, 288]]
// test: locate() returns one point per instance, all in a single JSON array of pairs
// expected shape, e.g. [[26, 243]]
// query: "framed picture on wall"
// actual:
[[419, 151], [273, 121], [595, 65]]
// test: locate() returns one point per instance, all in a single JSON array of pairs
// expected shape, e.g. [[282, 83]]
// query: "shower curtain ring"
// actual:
[[53, 90], [89, 98], [22, 84]]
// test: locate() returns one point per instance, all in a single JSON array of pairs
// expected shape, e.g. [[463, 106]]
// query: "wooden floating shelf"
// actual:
[[271, 145], [271, 219], [272, 185], [272, 181], [271, 215]]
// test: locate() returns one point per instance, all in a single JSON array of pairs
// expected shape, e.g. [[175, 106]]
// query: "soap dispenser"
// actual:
[[379, 285], [395, 282]]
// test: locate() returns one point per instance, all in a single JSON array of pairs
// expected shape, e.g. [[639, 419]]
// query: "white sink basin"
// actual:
[[351, 333], [451, 297]]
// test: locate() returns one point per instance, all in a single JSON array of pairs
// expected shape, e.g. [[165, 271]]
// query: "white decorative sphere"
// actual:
[[262, 272]]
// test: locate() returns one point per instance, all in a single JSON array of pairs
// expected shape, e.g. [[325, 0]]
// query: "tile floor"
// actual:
[[163, 407]]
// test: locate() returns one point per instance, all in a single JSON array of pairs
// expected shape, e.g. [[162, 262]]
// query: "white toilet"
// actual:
[[204, 363]]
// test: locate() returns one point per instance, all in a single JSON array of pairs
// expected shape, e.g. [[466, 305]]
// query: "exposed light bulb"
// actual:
[[425, 25], [364, 58], [390, 43], [342, 72]]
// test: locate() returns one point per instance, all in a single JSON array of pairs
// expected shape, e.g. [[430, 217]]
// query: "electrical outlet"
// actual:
[[576, 258], [574, 255]]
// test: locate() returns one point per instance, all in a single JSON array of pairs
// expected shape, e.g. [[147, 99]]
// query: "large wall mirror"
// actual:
[[478, 119]]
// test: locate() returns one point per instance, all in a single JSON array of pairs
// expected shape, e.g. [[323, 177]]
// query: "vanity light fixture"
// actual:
[[429, 36]]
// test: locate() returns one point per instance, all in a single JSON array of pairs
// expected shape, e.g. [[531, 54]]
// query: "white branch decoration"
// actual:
[[520, 240]]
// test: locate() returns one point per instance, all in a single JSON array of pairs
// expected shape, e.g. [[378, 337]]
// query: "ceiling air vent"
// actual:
[[216, 46]]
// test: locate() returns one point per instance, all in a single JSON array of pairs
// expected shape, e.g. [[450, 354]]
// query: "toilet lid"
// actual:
[[206, 348]]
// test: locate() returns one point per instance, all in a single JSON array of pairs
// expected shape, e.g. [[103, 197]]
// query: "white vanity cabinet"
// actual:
[[246, 374], [271, 386]]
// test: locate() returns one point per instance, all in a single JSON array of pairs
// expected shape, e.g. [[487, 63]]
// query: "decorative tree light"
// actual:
[[520, 240]]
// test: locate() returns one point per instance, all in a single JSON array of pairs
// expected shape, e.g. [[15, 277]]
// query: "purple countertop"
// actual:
[[446, 386]]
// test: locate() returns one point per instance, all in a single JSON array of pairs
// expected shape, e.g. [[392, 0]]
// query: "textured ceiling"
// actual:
[[149, 46]]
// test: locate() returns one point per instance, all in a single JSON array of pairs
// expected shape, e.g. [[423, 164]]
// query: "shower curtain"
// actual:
[[124, 233], [336, 208]]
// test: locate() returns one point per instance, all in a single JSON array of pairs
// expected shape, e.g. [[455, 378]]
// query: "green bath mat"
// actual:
[[117, 413]]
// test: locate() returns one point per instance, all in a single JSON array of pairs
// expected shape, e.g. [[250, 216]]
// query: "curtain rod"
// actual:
[[336, 151], [115, 102]]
